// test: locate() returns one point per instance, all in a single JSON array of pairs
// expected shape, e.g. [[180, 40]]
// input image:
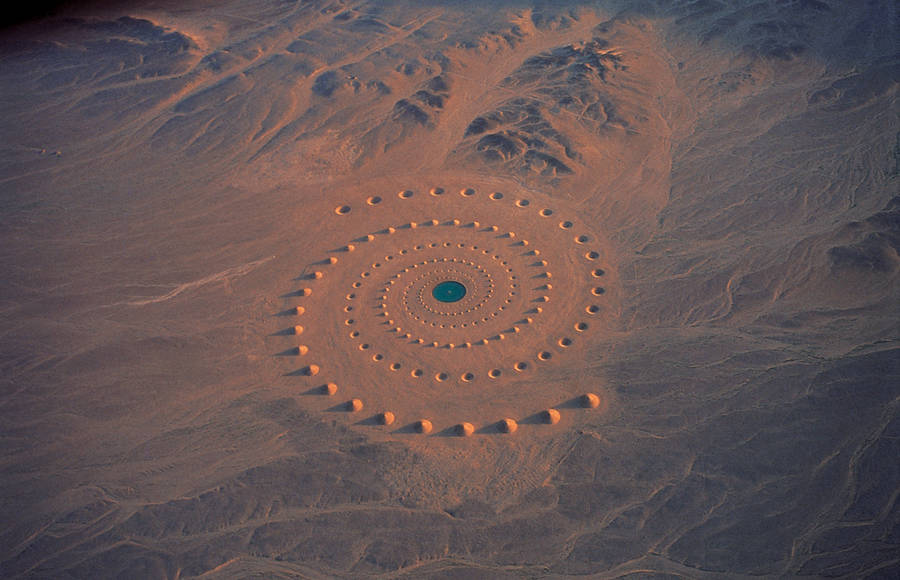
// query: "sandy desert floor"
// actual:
[[221, 225]]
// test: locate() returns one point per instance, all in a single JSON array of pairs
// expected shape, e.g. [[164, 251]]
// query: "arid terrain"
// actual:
[[673, 229]]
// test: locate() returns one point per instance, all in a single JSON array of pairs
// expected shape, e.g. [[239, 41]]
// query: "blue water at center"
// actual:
[[449, 291]]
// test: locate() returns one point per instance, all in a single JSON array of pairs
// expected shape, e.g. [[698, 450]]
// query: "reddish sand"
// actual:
[[221, 225]]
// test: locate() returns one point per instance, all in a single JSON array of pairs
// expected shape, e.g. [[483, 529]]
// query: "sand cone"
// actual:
[[385, 418], [590, 401], [550, 416], [424, 426], [354, 405], [507, 426], [464, 429]]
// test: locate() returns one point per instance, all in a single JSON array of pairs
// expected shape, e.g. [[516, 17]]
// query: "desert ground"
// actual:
[[669, 347]]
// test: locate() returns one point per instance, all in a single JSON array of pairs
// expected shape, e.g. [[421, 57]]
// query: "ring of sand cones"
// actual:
[[440, 319]]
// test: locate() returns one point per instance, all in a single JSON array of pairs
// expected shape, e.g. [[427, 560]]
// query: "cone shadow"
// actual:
[[289, 352], [369, 421], [448, 432], [490, 429], [293, 294], [409, 429], [533, 419], [284, 332], [343, 407], [571, 404]]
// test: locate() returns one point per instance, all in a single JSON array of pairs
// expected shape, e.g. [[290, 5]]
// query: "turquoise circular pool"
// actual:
[[449, 291]]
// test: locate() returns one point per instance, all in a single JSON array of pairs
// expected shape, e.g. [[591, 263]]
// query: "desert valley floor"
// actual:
[[462, 290]]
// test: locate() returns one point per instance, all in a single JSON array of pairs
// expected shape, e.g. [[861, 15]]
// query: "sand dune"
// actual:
[[665, 345]]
